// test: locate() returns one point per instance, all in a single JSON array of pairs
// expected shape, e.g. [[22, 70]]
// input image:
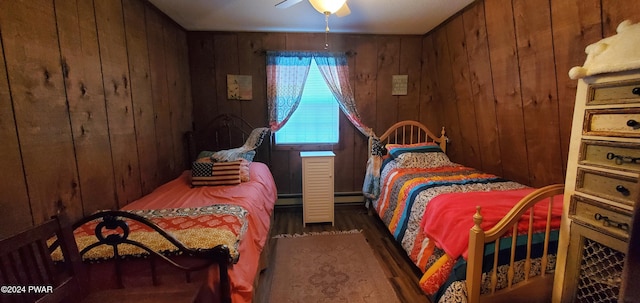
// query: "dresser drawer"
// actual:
[[614, 155], [614, 93], [622, 122], [608, 186], [608, 219]]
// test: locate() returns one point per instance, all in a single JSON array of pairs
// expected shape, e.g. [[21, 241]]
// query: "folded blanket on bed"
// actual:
[[253, 141], [449, 217]]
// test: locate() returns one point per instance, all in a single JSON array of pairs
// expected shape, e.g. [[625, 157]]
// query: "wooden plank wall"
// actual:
[[501, 79], [78, 121], [95, 95], [495, 75], [376, 58]]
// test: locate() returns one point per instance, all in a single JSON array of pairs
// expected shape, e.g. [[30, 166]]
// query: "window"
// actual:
[[315, 121]]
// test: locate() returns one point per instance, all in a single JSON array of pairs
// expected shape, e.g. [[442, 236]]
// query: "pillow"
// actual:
[[396, 150], [246, 151], [244, 171], [206, 159], [234, 154], [423, 160], [227, 155], [207, 173], [205, 153]]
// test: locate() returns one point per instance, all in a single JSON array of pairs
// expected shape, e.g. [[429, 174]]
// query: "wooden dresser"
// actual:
[[602, 175]]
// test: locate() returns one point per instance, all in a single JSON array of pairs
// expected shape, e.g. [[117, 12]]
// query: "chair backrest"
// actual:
[[28, 273]]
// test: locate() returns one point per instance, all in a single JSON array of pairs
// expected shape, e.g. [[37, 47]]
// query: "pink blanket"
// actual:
[[449, 217], [258, 197]]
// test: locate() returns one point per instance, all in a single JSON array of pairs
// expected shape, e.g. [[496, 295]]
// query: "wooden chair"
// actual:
[[28, 273]]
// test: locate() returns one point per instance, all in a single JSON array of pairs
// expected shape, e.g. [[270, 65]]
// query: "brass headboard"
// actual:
[[410, 132]]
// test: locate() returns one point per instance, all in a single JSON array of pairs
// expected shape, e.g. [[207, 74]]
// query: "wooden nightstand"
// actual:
[[317, 186]]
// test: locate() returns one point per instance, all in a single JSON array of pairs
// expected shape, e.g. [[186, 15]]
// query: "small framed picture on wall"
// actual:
[[239, 87], [399, 85]]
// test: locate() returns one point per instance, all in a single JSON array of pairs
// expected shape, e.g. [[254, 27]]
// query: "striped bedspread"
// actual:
[[404, 195]]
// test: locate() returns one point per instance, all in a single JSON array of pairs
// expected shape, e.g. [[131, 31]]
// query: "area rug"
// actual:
[[331, 267]]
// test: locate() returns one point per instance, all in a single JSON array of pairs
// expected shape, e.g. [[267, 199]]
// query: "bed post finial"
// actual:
[[477, 219], [443, 140]]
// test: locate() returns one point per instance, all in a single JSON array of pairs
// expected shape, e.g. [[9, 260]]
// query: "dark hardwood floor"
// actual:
[[402, 274]]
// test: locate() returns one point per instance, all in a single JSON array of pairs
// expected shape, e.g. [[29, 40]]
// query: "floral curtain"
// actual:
[[286, 75], [335, 71]]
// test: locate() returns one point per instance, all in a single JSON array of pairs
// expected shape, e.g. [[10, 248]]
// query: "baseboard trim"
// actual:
[[339, 198]]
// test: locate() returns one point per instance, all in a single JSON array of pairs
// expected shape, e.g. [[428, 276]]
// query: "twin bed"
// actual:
[[449, 218], [217, 235]]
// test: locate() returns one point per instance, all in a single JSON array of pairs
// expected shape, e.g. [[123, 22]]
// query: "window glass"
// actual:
[[315, 121]]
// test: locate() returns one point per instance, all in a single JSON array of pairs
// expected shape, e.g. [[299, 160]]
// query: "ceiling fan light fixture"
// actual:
[[327, 6]]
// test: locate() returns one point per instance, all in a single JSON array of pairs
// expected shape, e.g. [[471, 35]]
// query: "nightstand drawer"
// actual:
[[620, 122], [608, 186], [613, 221], [615, 93], [614, 155]]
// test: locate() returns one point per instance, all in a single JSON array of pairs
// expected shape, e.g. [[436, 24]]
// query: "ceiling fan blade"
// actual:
[[287, 3], [343, 11]]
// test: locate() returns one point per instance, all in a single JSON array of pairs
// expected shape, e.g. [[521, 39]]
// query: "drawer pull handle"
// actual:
[[623, 190], [619, 159], [636, 91], [633, 123], [608, 222]]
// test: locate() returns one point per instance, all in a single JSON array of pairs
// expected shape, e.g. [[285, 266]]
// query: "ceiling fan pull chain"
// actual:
[[326, 32]]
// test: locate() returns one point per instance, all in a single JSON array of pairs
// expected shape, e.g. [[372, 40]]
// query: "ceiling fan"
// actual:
[[326, 7]]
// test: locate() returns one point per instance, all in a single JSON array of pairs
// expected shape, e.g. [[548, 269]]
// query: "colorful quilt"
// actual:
[[197, 228], [404, 196]]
